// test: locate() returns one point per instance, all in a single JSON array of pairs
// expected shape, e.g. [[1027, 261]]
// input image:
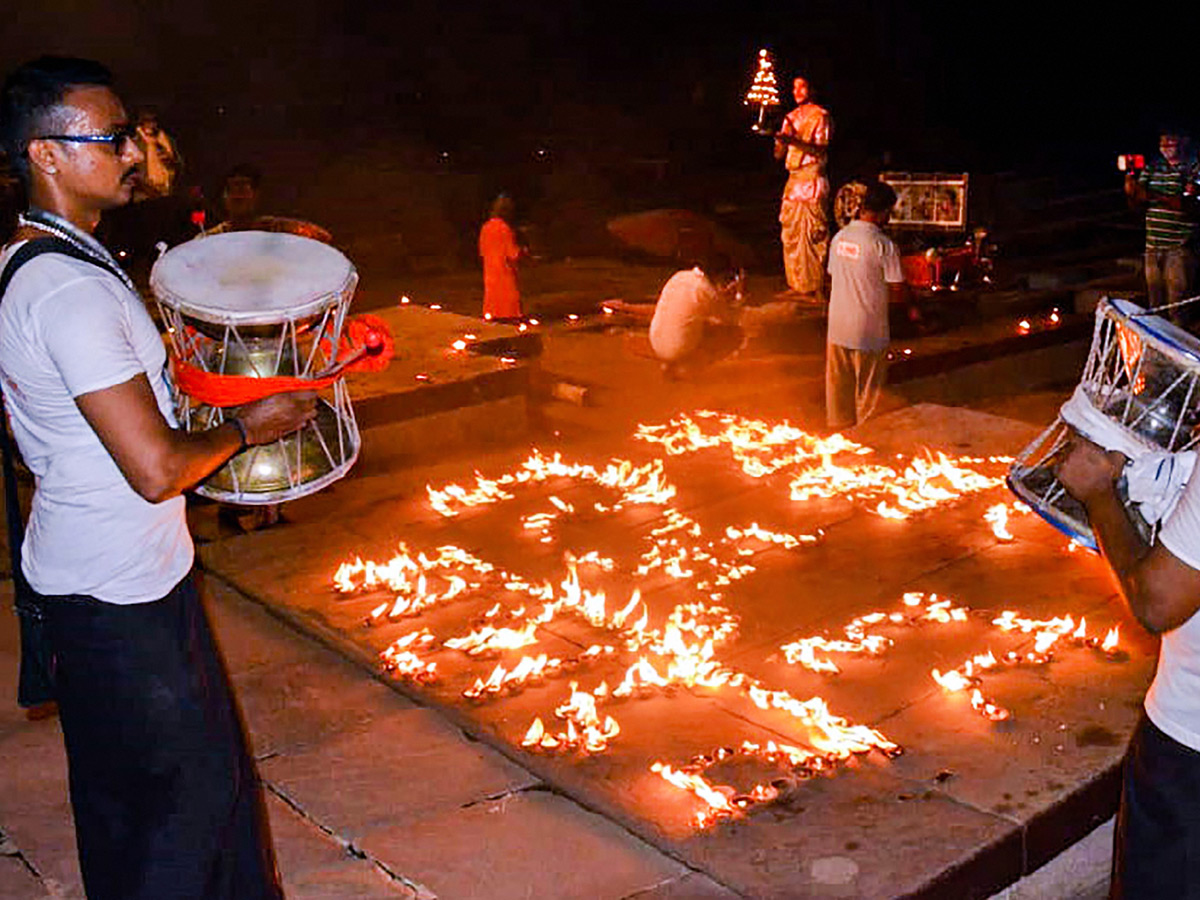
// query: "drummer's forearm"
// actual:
[[157, 461], [1161, 591]]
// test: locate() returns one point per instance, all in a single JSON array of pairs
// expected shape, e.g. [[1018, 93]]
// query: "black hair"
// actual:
[[31, 102], [1175, 130], [248, 171], [718, 265], [879, 197]]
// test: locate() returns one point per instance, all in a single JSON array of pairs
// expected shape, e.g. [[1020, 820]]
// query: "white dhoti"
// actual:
[[804, 231]]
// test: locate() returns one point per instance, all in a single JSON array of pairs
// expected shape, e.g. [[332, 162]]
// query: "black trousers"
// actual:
[[1156, 849], [166, 798]]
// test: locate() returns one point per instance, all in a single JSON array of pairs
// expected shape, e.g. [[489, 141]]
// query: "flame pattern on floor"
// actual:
[[682, 651]]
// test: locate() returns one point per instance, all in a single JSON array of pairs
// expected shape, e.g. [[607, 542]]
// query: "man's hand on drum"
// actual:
[[1086, 469], [271, 418]]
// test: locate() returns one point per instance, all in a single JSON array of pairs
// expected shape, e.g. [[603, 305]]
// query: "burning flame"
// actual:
[[682, 650], [997, 517], [1109, 645]]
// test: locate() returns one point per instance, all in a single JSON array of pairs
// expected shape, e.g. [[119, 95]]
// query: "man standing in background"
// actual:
[[865, 266], [803, 143], [1167, 188], [161, 162]]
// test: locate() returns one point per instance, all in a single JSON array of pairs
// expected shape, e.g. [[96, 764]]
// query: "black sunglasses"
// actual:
[[118, 140]]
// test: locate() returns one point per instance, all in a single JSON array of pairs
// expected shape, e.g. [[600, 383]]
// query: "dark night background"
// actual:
[[1048, 89]]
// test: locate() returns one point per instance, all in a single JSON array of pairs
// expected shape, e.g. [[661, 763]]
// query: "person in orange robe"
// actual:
[[499, 249]]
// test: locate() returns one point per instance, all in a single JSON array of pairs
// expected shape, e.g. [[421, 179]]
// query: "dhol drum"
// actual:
[[1139, 394], [262, 305]]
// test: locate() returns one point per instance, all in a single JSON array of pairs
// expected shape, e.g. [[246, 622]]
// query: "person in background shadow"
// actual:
[[500, 252], [241, 198], [1169, 193]]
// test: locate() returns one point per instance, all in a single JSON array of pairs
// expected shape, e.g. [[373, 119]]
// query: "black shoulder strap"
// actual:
[[12, 510], [28, 251], [37, 247]]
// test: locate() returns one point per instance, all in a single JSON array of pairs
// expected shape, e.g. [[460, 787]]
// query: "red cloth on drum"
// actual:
[[366, 334], [499, 250], [224, 391]]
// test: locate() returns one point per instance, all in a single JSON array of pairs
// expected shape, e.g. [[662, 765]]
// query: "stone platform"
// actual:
[[455, 382], [969, 806], [429, 373]]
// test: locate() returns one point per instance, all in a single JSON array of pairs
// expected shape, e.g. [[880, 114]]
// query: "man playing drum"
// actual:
[[1158, 825], [165, 796]]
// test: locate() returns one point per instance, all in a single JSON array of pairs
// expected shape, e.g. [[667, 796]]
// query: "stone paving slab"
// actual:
[[863, 834], [315, 866], [580, 855], [692, 886], [17, 882], [408, 766], [37, 816], [863, 562], [287, 710]]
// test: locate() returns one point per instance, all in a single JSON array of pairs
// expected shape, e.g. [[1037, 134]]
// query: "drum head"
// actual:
[[251, 278], [1167, 333]]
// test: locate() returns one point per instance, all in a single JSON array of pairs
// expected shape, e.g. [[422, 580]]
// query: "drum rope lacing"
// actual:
[[1187, 301], [77, 238]]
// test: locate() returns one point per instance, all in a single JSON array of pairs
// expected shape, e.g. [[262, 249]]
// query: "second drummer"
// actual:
[[1157, 827]]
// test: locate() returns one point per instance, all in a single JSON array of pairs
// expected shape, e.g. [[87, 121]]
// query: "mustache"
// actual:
[[130, 173]]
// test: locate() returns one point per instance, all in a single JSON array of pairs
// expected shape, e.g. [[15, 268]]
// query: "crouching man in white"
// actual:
[[695, 321]]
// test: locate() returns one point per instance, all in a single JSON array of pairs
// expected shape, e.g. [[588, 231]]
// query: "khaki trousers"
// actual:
[[854, 381]]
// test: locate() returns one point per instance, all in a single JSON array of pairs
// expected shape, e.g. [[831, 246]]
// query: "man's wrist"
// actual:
[[240, 427]]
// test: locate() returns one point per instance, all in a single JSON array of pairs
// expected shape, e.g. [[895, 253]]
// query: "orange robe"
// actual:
[[498, 247]]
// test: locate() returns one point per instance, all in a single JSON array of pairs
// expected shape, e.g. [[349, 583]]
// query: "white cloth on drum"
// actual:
[[1154, 478], [1082, 415]]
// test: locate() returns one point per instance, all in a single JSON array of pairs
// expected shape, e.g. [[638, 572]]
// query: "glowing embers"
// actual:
[[917, 608], [401, 659], [1047, 634], [639, 662], [532, 670], [997, 517], [863, 637], [723, 801], [759, 448], [418, 582], [635, 484], [924, 484], [584, 731], [824, 468]]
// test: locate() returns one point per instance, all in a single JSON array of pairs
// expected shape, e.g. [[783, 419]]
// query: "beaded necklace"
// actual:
[[80, 240]]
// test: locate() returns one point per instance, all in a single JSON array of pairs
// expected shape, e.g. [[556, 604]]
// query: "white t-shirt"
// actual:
[[863, 261], [687, 301], [68, 327], [1173, 701]]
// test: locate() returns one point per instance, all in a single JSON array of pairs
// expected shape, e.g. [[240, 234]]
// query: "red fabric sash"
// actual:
[[367, 346]]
